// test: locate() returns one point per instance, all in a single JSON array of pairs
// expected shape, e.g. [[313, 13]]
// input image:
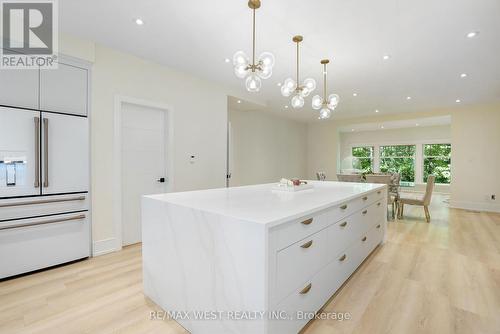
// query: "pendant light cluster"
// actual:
[[291, 86], [253, 72], [323, 104], [263, 69]]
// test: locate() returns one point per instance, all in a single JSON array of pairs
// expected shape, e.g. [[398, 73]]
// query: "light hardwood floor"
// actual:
[[442, 277]]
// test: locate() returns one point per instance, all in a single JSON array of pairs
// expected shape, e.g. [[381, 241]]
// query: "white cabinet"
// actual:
[[64, 89], [19, 149], [65, 153], [19, 88]]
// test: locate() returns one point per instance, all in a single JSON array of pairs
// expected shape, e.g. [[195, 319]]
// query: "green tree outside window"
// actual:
[[399, 159], [437, 162], [365, 157]]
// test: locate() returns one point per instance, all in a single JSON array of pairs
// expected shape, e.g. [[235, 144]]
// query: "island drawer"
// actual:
[[346, 231], [312, 294], [289, 233], [299, 262]]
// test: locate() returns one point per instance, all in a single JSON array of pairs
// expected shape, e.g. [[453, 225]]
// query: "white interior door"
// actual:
[[144, 156], [19, 152]]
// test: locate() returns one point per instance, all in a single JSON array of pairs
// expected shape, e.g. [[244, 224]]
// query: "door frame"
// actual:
[[117, 155]]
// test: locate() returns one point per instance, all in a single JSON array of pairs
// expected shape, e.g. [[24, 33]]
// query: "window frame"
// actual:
[[419, 162], [414, 157], [372, 157], [424, 181]]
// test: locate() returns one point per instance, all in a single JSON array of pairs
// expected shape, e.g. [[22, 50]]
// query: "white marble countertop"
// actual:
[[260, 204]]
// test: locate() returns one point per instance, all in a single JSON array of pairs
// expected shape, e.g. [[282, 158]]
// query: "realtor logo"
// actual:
[[29, 34]]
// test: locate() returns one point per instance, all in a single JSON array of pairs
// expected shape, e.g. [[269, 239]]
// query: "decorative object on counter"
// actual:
[[327, 105], [292, 185], [253, 72], [290, 86], [321, 176]]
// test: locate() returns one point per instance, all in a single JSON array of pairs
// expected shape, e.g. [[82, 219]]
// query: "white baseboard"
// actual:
[[476, 206], [104, 246]]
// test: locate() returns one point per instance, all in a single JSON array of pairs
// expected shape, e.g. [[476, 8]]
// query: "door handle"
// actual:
[[37, 152], [161, 180], [46, 151]]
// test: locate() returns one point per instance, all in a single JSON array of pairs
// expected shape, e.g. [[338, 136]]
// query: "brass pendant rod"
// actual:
[[253, 38], [324, 82], [298, 82]]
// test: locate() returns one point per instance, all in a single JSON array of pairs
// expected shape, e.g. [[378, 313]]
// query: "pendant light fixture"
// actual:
[[291, 86], [326, 105], [254, 71]]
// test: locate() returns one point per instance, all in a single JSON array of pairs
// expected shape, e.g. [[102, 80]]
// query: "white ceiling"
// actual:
[[426, 40], [400, 124]]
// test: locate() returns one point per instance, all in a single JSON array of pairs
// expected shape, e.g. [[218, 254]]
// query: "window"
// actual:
[[437, 162], [365, 157], [399, 159]]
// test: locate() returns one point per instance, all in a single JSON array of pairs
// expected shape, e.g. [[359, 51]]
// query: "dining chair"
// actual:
[[321, 176], [421, 200], [385, 179], [349, 177]]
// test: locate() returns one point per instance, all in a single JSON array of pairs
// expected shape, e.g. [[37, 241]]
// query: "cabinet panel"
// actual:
[[65, 154], [19, 147], [35, 243], [64, 89], [19, 88]]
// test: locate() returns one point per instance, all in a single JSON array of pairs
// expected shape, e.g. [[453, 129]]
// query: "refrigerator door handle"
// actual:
[[37, 152], [46, 152], [44, 222]]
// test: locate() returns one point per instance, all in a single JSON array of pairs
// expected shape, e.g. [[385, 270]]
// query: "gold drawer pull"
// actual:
[[342, 258], [307, 222], [306, 289], [364, 212], [379, 192], [344, 224], [343, 207], [378, 204], [364, 239], [378, 226], [365, 198], [307, 244]]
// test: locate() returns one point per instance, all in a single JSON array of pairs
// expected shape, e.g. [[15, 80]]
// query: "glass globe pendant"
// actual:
[[292, 87], [325, 105], [254, 71]]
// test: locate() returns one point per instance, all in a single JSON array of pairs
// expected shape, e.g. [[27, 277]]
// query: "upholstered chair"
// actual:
[[421, 200]]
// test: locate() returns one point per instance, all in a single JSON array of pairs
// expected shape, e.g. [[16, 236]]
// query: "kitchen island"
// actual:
[[255, 260]]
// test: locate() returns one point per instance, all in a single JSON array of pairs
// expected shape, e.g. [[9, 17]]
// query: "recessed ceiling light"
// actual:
[[408, 97], [458, 101], [139, 22], [386, 57], [239, 101], [376, 110], [382, 127], [354, 94], [472, 34], [227, 60], [463, 75], [279, 84]]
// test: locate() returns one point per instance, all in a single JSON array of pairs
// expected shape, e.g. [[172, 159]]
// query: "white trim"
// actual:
[[117, 141], [104, 246], [477, 206]]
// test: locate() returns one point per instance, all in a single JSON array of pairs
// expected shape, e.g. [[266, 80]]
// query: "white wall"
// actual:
[[476, 158], [266, 148]]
